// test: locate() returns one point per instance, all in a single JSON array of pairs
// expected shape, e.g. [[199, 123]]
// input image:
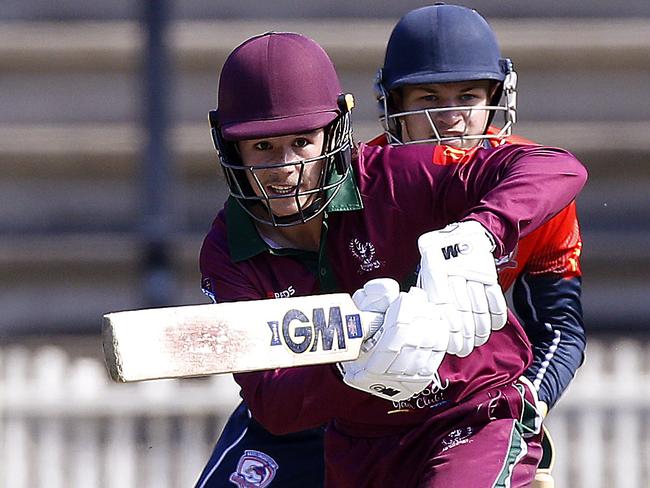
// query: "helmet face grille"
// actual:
[[246, 188], [393, 123]]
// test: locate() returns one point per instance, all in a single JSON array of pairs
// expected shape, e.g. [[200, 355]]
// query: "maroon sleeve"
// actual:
[[521, 190], [283, 400], [221, 279], [511, 189], [290, 400]]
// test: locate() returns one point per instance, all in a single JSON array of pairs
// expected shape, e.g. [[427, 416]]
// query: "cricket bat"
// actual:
[[199, 340]]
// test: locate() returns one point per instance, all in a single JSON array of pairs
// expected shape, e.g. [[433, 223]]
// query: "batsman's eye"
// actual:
[[262, 145], [301, 142]]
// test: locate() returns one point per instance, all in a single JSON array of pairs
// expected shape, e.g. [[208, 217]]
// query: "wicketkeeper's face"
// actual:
[[448, 111], [286, 170]]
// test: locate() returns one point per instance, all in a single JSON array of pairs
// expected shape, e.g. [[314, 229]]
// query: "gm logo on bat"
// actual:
[[304, 336]]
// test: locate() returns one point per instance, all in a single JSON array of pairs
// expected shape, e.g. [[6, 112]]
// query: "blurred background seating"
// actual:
[[73, 213]]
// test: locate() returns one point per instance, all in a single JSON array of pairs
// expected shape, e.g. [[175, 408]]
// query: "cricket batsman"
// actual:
[[545, 269], [309, 212]]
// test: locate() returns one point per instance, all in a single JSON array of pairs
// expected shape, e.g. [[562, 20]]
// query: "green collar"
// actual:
[[348, 196], [244, 242]]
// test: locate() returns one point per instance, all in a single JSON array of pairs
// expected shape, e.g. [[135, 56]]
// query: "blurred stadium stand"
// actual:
[[71, 139]]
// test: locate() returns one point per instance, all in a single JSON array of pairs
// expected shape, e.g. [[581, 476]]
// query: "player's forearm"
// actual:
[[556, 376], [532, 187], [552, 315], [291, 400]]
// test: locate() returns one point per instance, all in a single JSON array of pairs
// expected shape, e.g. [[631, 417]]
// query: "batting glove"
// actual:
[[402, 358], [458, 273]]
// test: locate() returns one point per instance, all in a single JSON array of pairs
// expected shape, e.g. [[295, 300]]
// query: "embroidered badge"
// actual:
[[365, 253], [254, 470], [457, 437]]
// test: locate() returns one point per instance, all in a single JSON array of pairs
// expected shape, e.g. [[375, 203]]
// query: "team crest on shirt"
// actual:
[[364, 252], [254, 470], [457, 437]]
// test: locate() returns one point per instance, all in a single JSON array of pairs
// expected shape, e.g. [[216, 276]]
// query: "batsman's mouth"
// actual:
[[281, 190]]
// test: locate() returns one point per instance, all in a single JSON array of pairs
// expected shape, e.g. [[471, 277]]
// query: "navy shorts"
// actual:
[[246, 455]]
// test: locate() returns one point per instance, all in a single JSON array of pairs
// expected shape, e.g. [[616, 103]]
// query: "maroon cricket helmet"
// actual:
[[275, 84]]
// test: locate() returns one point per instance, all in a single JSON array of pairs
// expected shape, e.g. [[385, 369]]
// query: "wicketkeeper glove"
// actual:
[[403, 356], [458, 273]]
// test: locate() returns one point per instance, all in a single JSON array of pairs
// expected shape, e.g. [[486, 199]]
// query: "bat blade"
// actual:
[[199, 340]]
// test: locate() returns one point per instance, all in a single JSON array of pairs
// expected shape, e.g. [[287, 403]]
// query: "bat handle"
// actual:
[[371, 321], [543, 480]]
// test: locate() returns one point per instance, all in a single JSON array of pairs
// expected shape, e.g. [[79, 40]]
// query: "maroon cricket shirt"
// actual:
[[371, 228]]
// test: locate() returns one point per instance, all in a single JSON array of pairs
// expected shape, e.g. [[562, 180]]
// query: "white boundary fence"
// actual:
[[601, 427], [63, 424]]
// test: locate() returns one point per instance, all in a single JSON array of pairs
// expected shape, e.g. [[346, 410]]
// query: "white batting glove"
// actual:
[[376, 295], [458, 272], [403, 356]]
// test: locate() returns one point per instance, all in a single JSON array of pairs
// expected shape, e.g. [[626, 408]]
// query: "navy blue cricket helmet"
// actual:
[[443, 44]]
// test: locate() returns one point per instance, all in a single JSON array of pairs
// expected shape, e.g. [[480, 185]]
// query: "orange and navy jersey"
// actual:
[[552, 249]]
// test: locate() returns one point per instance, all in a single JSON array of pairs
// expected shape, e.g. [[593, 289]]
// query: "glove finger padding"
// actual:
[[477, 293], [406, 351], [433, 281], [498, 306], [459, 344], [457, 271], [376, 295]]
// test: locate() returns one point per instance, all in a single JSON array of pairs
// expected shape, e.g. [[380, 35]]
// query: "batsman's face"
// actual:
[[456, 111], [286, 170]]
